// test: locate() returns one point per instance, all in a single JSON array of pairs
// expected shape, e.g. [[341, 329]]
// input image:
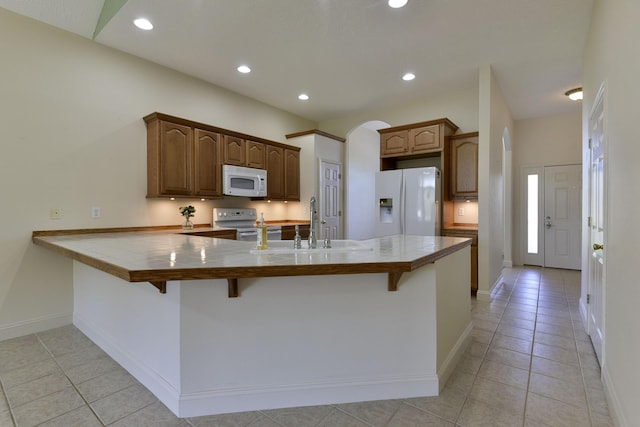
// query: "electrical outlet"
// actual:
[[55, 213], [96, 212]]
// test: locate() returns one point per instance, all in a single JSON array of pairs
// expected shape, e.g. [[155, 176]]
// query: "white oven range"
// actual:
[[244, 221]]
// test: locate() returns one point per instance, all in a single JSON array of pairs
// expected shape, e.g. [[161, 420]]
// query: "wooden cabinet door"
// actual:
[[234, 152], [176, 155], [255, 157], [208, 175], [291, 174], [464, 166], [394, 143], [425, 139], [275, 172]]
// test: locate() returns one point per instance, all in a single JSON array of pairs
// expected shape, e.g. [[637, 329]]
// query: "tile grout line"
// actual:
[[6, 399], [533, 341], [55, 360], [484, 355]]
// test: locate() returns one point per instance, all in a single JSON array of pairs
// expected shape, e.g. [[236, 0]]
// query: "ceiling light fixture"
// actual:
[[397, 3], [408, 77], [244, 69], [574, 94], [143, 24], [303, 97]]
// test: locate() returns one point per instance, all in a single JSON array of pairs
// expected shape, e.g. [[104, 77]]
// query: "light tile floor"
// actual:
[[530, 364]]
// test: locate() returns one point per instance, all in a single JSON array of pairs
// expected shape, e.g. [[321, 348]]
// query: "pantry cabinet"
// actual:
[[463, 180]]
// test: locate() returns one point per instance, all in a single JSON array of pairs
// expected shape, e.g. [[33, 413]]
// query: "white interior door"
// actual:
[[597, 216], [562, 218], [330, 197]]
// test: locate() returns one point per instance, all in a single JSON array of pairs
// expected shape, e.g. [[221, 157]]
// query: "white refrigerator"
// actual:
[[408, 202]]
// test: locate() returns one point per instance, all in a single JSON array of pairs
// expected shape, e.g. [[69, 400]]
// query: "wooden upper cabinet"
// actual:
[[415, 139], [275, 172], [464, 166], [394, 143], [234, 151], [425, 139], [291, 174], [255, 156], [185, 158], [170, 159], [208, 173]]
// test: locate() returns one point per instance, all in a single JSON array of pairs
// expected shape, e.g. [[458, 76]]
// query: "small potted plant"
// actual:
[[187, 212]]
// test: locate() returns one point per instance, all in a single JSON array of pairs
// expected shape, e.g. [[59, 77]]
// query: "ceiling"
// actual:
[[350, 55]]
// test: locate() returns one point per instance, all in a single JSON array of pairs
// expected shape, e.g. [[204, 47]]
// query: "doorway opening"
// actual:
[[552, 221]]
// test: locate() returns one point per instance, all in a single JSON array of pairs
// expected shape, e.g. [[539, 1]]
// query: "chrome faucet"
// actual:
[[313, 238]]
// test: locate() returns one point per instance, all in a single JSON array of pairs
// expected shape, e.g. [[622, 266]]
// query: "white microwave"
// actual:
[[241, 181]]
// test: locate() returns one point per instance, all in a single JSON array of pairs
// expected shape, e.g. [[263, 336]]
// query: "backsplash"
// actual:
[[465, 212]]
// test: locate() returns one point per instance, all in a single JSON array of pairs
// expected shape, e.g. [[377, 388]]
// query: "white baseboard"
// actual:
[[289, 396], [487, 296], [507, 264], [615, 407], [454, 356], [166, 393], [247, 399], [32, 326]]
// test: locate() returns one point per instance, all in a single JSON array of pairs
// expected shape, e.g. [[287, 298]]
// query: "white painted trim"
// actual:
[[310, 394], [507, 264], [487, 296], [454, 356], [615, 407], [32, 326]]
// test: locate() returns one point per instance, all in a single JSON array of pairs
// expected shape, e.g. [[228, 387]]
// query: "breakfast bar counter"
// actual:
[[312, 326]]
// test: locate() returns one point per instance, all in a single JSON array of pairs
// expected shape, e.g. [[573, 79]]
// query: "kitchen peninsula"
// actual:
[[389, 319]]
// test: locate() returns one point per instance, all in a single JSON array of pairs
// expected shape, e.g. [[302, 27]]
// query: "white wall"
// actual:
[[73, 137], [495, 117], [362, 163], [544, 141], [611, 57]]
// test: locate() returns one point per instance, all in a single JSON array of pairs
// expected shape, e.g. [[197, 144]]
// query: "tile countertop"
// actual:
[[158, 256]]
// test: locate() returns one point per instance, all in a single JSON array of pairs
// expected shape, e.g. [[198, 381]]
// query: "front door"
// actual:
[[562, 216], [597, 216], [330, 197]]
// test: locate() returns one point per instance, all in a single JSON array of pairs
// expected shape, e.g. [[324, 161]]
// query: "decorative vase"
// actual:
[[188, 225]]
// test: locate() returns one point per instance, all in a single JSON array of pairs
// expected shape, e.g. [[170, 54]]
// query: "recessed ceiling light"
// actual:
[[143, 24], [574, 94], [397, 3], [408, 77], [244, 69], [303, 97]]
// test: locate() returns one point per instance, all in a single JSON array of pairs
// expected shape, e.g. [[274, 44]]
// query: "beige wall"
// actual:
[[495, 118], [461, 107], [544, 141], [73, 137], [611, 58]]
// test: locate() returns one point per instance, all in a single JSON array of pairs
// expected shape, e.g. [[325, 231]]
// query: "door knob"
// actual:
[[597, 246]]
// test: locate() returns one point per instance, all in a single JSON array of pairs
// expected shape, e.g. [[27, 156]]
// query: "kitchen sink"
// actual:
[[286, 247]]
